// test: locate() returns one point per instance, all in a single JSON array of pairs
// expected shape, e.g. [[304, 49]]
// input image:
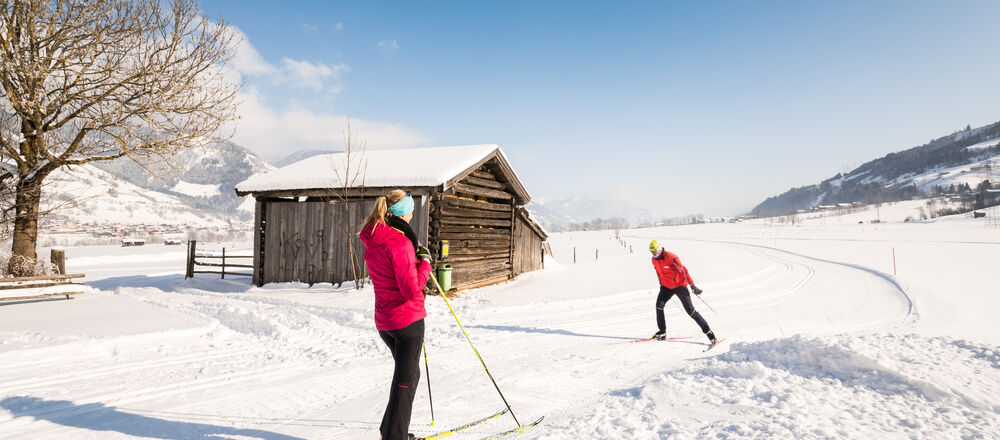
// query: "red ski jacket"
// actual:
[[397, 277], [670, 271]]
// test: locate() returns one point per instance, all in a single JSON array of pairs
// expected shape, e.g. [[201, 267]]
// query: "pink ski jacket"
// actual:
[[397, 276]]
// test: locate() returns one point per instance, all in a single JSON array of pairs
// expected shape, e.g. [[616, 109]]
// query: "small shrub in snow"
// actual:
[[18, 266]]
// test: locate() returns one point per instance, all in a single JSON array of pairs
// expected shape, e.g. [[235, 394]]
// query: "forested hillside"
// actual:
[[957, 164]]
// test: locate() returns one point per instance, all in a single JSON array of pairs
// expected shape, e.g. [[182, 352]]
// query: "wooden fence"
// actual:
[[221, 263], [26, 288], [24, 283]]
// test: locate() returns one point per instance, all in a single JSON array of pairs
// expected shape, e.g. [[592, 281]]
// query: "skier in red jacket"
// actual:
[[399, 269], [674, 280]]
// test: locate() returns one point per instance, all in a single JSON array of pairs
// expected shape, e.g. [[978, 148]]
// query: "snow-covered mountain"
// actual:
[[557, 214], [203, 178], [196, 190], [954, 163], [87, 194]]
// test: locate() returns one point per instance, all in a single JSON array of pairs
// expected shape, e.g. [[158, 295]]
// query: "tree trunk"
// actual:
[[29, 195]]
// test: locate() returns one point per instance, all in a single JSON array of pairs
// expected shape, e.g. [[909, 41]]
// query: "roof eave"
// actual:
[[334, 192]]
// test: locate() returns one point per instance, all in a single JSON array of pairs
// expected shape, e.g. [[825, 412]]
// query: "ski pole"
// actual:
[[709, 307], [481, 361], [427, 368]]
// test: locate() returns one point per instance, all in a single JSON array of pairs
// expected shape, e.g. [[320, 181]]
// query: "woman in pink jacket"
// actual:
[[399, 269]]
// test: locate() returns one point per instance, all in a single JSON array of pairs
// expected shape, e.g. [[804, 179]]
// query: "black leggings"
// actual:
[[685, 297], [405, 345]]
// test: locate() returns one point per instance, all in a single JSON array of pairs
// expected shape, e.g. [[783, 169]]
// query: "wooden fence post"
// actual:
[[58, 258], [192, 245], [223, 263], [595, 254], [574, 254], [894, 261]]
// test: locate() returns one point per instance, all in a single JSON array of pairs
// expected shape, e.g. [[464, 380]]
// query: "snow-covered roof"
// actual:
[[412, 167]]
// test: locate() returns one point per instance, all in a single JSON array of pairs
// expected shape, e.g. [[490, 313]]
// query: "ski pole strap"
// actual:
[[481, 361]]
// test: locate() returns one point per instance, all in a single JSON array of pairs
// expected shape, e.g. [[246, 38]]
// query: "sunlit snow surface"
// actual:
[[196, 189], [823, 341]]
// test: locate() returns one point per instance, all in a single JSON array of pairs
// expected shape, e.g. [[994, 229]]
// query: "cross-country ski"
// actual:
[[457, 429], [513, 431], [714, 344], [662, 339]]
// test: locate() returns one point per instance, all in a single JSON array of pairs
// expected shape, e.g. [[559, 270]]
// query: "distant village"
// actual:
[[65, 232]]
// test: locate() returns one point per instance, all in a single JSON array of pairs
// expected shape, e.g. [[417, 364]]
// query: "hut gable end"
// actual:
[[493, 173]]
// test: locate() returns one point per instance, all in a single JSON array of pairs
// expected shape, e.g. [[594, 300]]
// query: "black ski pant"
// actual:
[[405, 345], [685, 296]]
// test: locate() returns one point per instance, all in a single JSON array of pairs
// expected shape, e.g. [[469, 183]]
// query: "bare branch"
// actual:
[[94, 80]]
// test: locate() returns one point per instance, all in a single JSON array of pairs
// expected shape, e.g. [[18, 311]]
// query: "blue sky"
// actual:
[[680, 107]]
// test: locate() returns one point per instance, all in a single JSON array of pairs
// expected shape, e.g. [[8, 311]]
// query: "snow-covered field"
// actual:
[[891, 212], [823, 341], [196, 190]]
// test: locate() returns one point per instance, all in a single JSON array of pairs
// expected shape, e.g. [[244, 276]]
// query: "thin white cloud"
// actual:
[[310, 28], [317, 77], [274, 134], [388, 45], [339, 26]]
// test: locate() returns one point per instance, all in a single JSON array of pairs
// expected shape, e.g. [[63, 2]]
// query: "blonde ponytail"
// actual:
[[380, 211]]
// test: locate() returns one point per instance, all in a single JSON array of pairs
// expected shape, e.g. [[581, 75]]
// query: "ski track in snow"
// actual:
[[908, 319], [815, 349]]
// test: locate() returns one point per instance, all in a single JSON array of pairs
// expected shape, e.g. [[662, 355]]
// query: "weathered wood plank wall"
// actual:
[[257, 241], [527, 245], [306, 241], [476, 220]]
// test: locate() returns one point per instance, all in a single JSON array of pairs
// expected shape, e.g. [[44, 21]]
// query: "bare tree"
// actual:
[[91, 80], [351, 173]]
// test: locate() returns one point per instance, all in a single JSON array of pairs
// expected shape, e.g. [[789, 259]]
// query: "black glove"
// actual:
[[423, 253], [696, 290]]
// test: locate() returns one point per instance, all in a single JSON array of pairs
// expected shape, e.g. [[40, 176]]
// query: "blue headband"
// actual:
[[402, 207]]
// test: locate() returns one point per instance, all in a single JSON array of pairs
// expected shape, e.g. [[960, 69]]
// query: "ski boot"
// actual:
[[711, 337], [659, 336]]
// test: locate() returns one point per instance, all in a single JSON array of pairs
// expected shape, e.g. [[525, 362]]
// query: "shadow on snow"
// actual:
[[98, 417], [173, 282], [550, 331]]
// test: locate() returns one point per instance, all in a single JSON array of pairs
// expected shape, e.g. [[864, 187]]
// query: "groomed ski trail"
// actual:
[[311, 367]]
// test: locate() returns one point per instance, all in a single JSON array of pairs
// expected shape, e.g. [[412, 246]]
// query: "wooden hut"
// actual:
[[307, 214]]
